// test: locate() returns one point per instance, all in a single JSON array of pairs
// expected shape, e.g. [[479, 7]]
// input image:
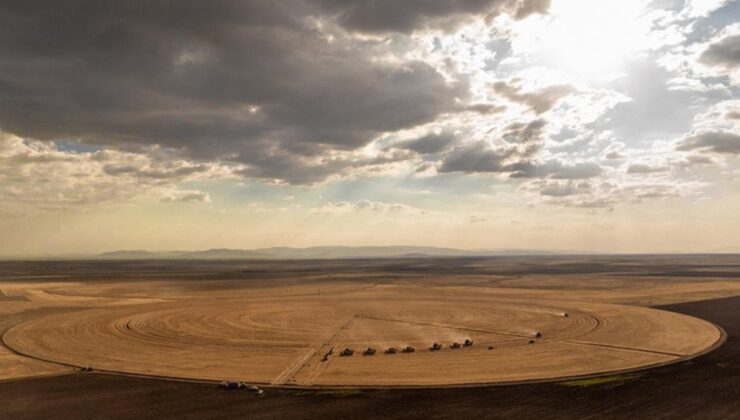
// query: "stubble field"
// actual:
[[284, 324]]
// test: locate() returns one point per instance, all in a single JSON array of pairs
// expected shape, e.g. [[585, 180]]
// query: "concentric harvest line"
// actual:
[[234, 340]]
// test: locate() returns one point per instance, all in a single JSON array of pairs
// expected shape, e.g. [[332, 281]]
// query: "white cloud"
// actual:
[[39, 176], [362, 206], [187, 197]]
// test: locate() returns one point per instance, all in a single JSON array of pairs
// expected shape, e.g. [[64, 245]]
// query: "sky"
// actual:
[[579, 125]]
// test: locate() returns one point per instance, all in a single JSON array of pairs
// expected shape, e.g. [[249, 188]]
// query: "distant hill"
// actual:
[[317, 252], [726, 250], [127, 255]]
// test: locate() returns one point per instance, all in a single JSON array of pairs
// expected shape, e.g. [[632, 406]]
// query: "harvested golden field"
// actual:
[[291, 333]]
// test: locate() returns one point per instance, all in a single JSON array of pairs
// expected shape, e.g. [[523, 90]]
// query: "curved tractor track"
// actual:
[[296, 340]]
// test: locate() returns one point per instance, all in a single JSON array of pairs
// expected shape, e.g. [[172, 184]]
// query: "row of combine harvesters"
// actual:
[[408, 349]]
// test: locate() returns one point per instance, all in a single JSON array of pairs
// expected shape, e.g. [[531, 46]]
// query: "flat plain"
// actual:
[[274, 322]]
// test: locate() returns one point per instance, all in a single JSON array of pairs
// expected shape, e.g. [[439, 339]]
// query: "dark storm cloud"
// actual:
[[539, 101], [280, 165], [431, 143], [378, 16], [641, 168], [516, 158], [522, 141], [725, 52], [246, 81], [476, 157], [157, 174], [481, 157], [526, 135], [556, 170], [712, 141], [562, 188], [581, 170], [483, 108]]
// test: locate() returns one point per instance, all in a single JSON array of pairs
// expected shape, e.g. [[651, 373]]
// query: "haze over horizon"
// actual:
[[340, 252], [609, 126]]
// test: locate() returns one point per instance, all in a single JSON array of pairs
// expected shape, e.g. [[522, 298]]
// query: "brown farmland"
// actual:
[[132, 321], [272, 339], [273, 323]]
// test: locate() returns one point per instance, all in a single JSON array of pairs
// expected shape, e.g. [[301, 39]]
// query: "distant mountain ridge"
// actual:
[[316, 252]]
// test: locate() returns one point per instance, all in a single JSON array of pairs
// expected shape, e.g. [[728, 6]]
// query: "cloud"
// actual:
[[245, 82], [555, 169], [38, 176], [692, 160], [541, 100], [713, 135], [563, 189], [382, 16], [187, 197], [476, 219], [528, 135], [515, 155], [614, 155], [592, 194], [430, 143], [476, 157], [285, 167], [307, 92], [725, 52], [522, 140], [165, 171], [712, 141], [580, 170], [484, 108], [641, 168], [362, 206], [480, 157]]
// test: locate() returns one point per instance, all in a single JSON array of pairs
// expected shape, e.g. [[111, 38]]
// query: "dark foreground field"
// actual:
[[706, 387]]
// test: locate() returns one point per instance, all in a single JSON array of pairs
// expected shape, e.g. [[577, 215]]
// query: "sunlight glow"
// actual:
[[588, 39]]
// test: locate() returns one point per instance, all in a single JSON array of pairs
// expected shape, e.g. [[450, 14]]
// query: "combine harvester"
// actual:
[[467, 343], [234, 386], [326, 356]]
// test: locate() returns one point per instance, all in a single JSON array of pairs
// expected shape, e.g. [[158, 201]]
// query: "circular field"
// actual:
[[296, 340]]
